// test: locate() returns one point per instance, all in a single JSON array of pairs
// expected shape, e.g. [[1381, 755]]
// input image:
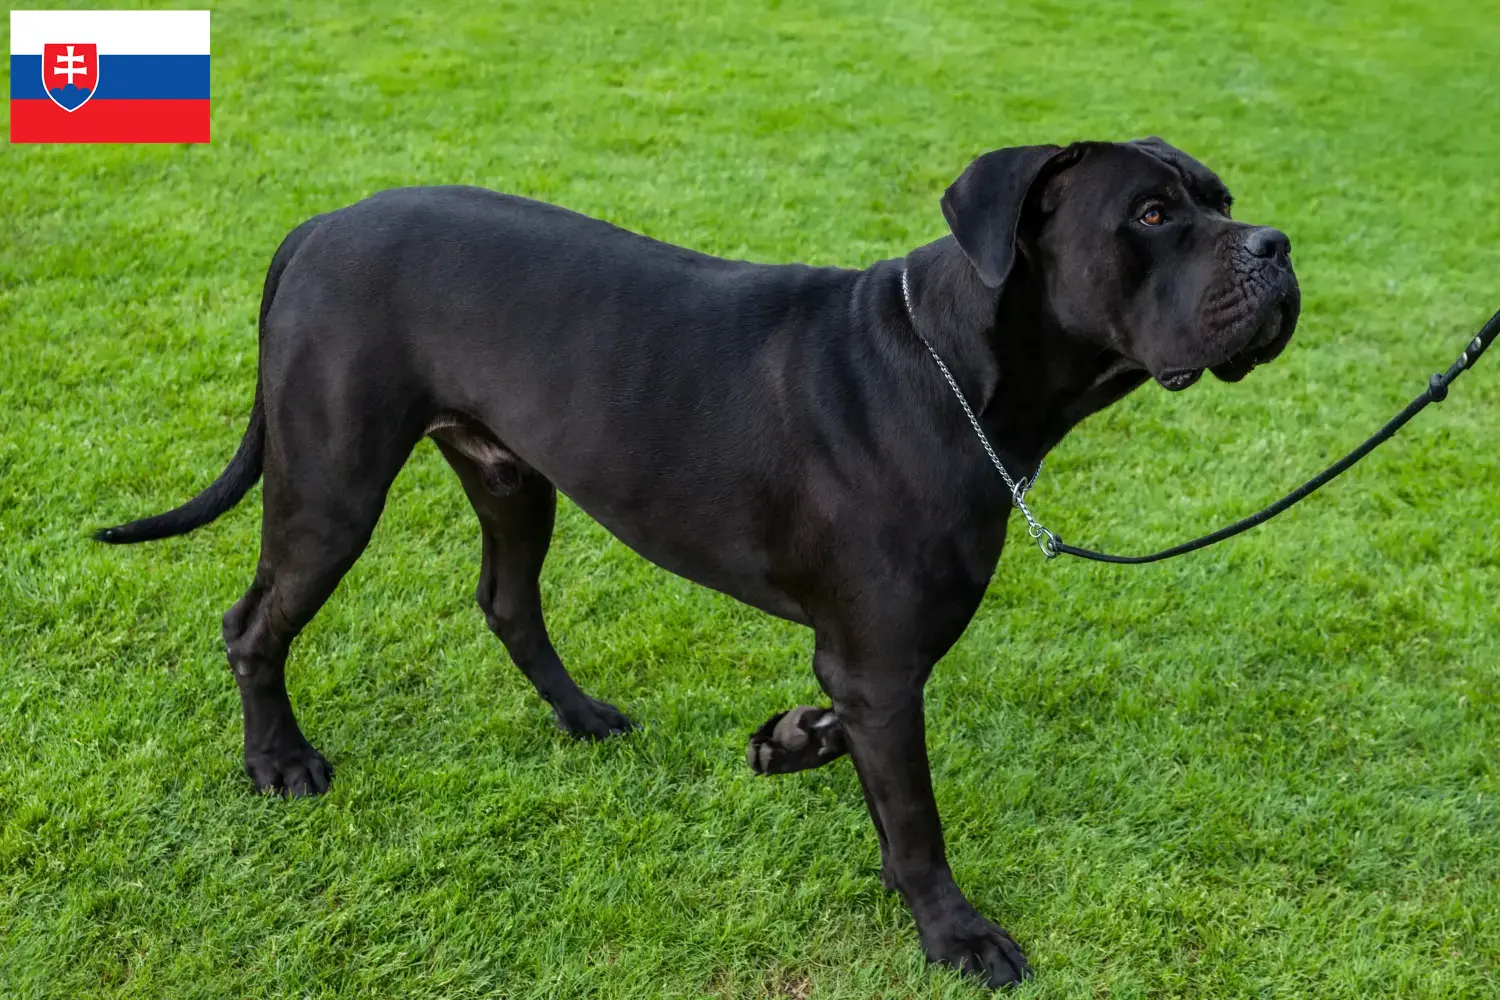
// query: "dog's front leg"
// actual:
[[879, 706]]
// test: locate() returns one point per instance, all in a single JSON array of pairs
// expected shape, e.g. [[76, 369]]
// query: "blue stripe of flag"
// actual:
[[123, 78]]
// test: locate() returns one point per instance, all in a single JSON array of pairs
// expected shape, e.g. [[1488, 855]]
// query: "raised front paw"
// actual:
[[968, 942], [804, 738]]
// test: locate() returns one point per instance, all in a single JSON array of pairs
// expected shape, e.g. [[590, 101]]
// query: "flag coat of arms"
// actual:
[[109, 76]]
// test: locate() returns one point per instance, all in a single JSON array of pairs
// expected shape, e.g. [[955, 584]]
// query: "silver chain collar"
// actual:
[[1044, 538]]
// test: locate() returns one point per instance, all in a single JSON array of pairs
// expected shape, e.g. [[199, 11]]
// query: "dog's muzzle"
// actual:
[[1269, 336], [1260, 307]]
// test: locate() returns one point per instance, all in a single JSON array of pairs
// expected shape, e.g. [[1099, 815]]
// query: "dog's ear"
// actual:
[[1166, 152], [1156, 144], [983, 207]]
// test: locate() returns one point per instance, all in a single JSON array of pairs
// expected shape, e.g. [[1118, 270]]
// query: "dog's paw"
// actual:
[[588, 719], [804, 738], [292, 773], [973, 945]]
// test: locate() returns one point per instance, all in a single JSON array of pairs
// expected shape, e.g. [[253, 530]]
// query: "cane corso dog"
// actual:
[[779, 433]]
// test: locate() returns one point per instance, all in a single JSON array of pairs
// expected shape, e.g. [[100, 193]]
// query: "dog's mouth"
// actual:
[[1179, 378], [1261, 337], [1268, 340]]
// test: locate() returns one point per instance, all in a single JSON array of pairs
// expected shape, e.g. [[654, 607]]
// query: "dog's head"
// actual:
[[1134, 249]]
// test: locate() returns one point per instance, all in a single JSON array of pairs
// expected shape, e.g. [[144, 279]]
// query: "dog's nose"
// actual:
[[1268, 242]]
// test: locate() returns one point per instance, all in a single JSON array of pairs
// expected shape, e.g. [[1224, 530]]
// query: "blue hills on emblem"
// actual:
[[70, 96]]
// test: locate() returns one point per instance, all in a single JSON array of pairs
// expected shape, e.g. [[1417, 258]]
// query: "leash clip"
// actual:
[[1046, 541]]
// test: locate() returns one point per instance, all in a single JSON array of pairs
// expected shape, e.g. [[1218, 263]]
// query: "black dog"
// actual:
[[778, 433]]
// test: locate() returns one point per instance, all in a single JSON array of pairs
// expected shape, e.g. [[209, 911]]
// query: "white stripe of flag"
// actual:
[[116, 32]]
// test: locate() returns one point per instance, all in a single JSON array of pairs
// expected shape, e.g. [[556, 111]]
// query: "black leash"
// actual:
[[1436, 392]]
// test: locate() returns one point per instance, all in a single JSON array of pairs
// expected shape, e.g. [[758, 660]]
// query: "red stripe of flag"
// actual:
[[110, 121]]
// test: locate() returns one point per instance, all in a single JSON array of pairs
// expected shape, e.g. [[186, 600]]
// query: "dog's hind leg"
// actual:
[[516, 508], [323, 497]]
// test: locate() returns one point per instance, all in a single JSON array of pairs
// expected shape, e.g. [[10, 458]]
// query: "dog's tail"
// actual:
[[226, 491], [245, 467]]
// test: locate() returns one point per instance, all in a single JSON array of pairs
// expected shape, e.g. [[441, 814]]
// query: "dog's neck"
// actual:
[[1028, 379]]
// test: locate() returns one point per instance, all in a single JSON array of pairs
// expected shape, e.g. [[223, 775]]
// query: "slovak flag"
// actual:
[[109, 76]]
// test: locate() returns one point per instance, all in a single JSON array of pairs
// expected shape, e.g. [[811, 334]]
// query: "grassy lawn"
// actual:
[[1268, 770]]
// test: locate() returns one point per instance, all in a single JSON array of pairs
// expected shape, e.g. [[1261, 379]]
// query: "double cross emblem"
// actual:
[[71, 65]]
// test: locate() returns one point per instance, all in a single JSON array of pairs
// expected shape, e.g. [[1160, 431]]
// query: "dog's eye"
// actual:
[[1228, 204], [1153, 216]]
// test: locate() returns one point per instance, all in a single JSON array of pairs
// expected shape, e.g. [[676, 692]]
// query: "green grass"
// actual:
[[1267, 770]]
